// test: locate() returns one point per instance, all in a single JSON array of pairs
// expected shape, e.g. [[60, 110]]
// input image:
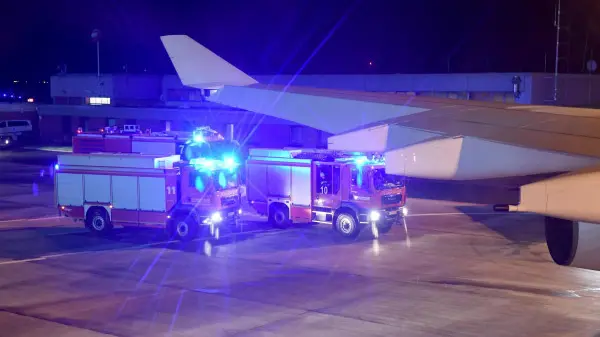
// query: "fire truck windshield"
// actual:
[[219, 179], [208, 149], [383, 181]]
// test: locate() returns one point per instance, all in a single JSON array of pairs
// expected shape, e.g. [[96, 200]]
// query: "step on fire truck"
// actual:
[[347, 190], [152, 190]]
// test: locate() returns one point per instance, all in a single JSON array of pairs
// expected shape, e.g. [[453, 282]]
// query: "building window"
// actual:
[[98, 100]]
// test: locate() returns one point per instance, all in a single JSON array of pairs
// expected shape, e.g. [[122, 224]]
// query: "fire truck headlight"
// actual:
[[216, 217], [374, 216], [6, 141], [404, 211]]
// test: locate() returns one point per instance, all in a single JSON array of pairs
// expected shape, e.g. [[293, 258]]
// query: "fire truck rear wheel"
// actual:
[[279, 216], [98, 221], [347, 225]]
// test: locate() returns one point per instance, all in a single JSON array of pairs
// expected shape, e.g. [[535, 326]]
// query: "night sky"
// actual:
[[279, 36]]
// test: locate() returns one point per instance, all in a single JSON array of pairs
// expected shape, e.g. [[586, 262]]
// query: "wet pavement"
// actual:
[[451, 269]]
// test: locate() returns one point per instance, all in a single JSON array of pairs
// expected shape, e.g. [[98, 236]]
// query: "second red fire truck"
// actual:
[[346, 190]]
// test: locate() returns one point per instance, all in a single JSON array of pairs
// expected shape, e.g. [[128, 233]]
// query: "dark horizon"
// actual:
[[271, 37]]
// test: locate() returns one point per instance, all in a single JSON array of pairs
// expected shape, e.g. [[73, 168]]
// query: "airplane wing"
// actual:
[[421, 136], [439, 138]]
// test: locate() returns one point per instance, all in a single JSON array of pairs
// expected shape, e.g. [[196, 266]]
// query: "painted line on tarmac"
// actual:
[[70, 232], [457, 213], [30, 219], [46, 257]]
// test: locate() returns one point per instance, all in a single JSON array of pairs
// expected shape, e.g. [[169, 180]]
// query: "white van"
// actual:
[[15, 127]]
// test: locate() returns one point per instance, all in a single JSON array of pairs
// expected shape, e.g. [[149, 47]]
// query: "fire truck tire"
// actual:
[[279, 216], [98, 221], [184, 228], [385, 227], [347, 225]]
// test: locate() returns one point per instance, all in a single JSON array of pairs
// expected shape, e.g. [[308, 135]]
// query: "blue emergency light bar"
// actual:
[[210, 164]]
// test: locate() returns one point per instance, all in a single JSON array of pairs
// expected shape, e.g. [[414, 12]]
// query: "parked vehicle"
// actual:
[[346, 190], [149, 190]]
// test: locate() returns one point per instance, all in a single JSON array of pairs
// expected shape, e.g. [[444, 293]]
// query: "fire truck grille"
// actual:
[[391, 199], [229, 201]]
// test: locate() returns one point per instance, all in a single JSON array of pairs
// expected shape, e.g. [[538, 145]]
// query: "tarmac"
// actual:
[[451, 268]]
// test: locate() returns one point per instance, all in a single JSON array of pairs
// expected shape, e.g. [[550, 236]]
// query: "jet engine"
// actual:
[[573, 243]]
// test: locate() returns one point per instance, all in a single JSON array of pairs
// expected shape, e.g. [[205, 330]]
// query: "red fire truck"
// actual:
[[151, 190], [347, 190]]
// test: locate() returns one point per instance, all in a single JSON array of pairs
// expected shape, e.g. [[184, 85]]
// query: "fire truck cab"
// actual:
[[348, 190]]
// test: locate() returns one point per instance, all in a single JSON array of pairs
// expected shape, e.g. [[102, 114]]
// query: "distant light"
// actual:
[[56, 167], [370, 63], [15, 81], [3, 95], [20, 97], [12, 96], [99, 100], [7, 141], [30, 100]]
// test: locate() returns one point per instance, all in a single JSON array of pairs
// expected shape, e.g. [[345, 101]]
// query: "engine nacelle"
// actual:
[[573, 243]]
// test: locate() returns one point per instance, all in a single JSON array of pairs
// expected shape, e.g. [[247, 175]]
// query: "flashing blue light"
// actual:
[[203, 163], [198, 138], [229, 163], [362, 160], [56, 167]]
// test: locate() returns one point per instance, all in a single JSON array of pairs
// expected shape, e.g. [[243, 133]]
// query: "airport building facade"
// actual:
[[162, 103]]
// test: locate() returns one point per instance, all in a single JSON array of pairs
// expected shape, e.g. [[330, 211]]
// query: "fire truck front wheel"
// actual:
[[98, 221], [185, 229], [385, 226], [347, 225]]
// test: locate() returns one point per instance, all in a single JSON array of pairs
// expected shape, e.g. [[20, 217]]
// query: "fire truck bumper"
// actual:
[[388, 215], [224, 217]]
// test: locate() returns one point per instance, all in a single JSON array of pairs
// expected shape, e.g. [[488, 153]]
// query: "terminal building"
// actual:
[[162, 103]]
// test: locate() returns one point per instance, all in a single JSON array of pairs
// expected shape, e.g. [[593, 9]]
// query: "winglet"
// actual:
[[199, 67]]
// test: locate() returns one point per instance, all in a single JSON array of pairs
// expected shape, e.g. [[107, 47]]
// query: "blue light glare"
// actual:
[[222, 180], [198, 138], [56, 167], [199, 184], [363, 160], [203, 164]]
